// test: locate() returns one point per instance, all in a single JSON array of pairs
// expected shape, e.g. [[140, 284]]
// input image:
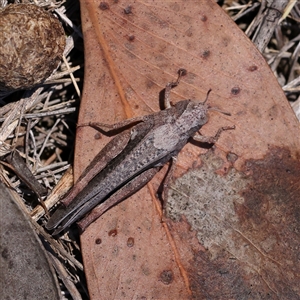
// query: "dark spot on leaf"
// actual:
[[205, 54], [189, 32], [226, 41], [166, 277], [131, 38], [128, 10], [222, 272], [182, 72], [98, 241], [252, 68], [203, 18], [149, 84], [130, 242], [235, 91], [103, 6], [113, 232], [97, 136], [146, 270]]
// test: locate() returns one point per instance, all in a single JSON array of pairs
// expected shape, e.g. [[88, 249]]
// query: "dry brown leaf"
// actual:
[[231, 230], [25, 269]]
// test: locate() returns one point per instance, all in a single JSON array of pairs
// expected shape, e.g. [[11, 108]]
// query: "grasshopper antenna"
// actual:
[[208, 92], [215, 108]]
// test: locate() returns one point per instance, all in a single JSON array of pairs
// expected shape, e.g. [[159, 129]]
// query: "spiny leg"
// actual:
[[211, 139], [168, 180], [170, 85], [111, 127]]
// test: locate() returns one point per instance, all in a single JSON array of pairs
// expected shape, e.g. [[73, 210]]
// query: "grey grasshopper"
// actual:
[[132, 158]]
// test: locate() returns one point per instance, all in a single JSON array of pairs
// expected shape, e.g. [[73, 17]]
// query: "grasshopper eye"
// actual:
[[193, 104]]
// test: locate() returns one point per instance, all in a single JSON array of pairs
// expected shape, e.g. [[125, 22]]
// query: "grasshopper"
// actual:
[[132, 158]]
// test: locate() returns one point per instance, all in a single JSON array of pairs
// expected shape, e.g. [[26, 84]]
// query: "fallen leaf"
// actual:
[[231, 211], [25, 270]]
